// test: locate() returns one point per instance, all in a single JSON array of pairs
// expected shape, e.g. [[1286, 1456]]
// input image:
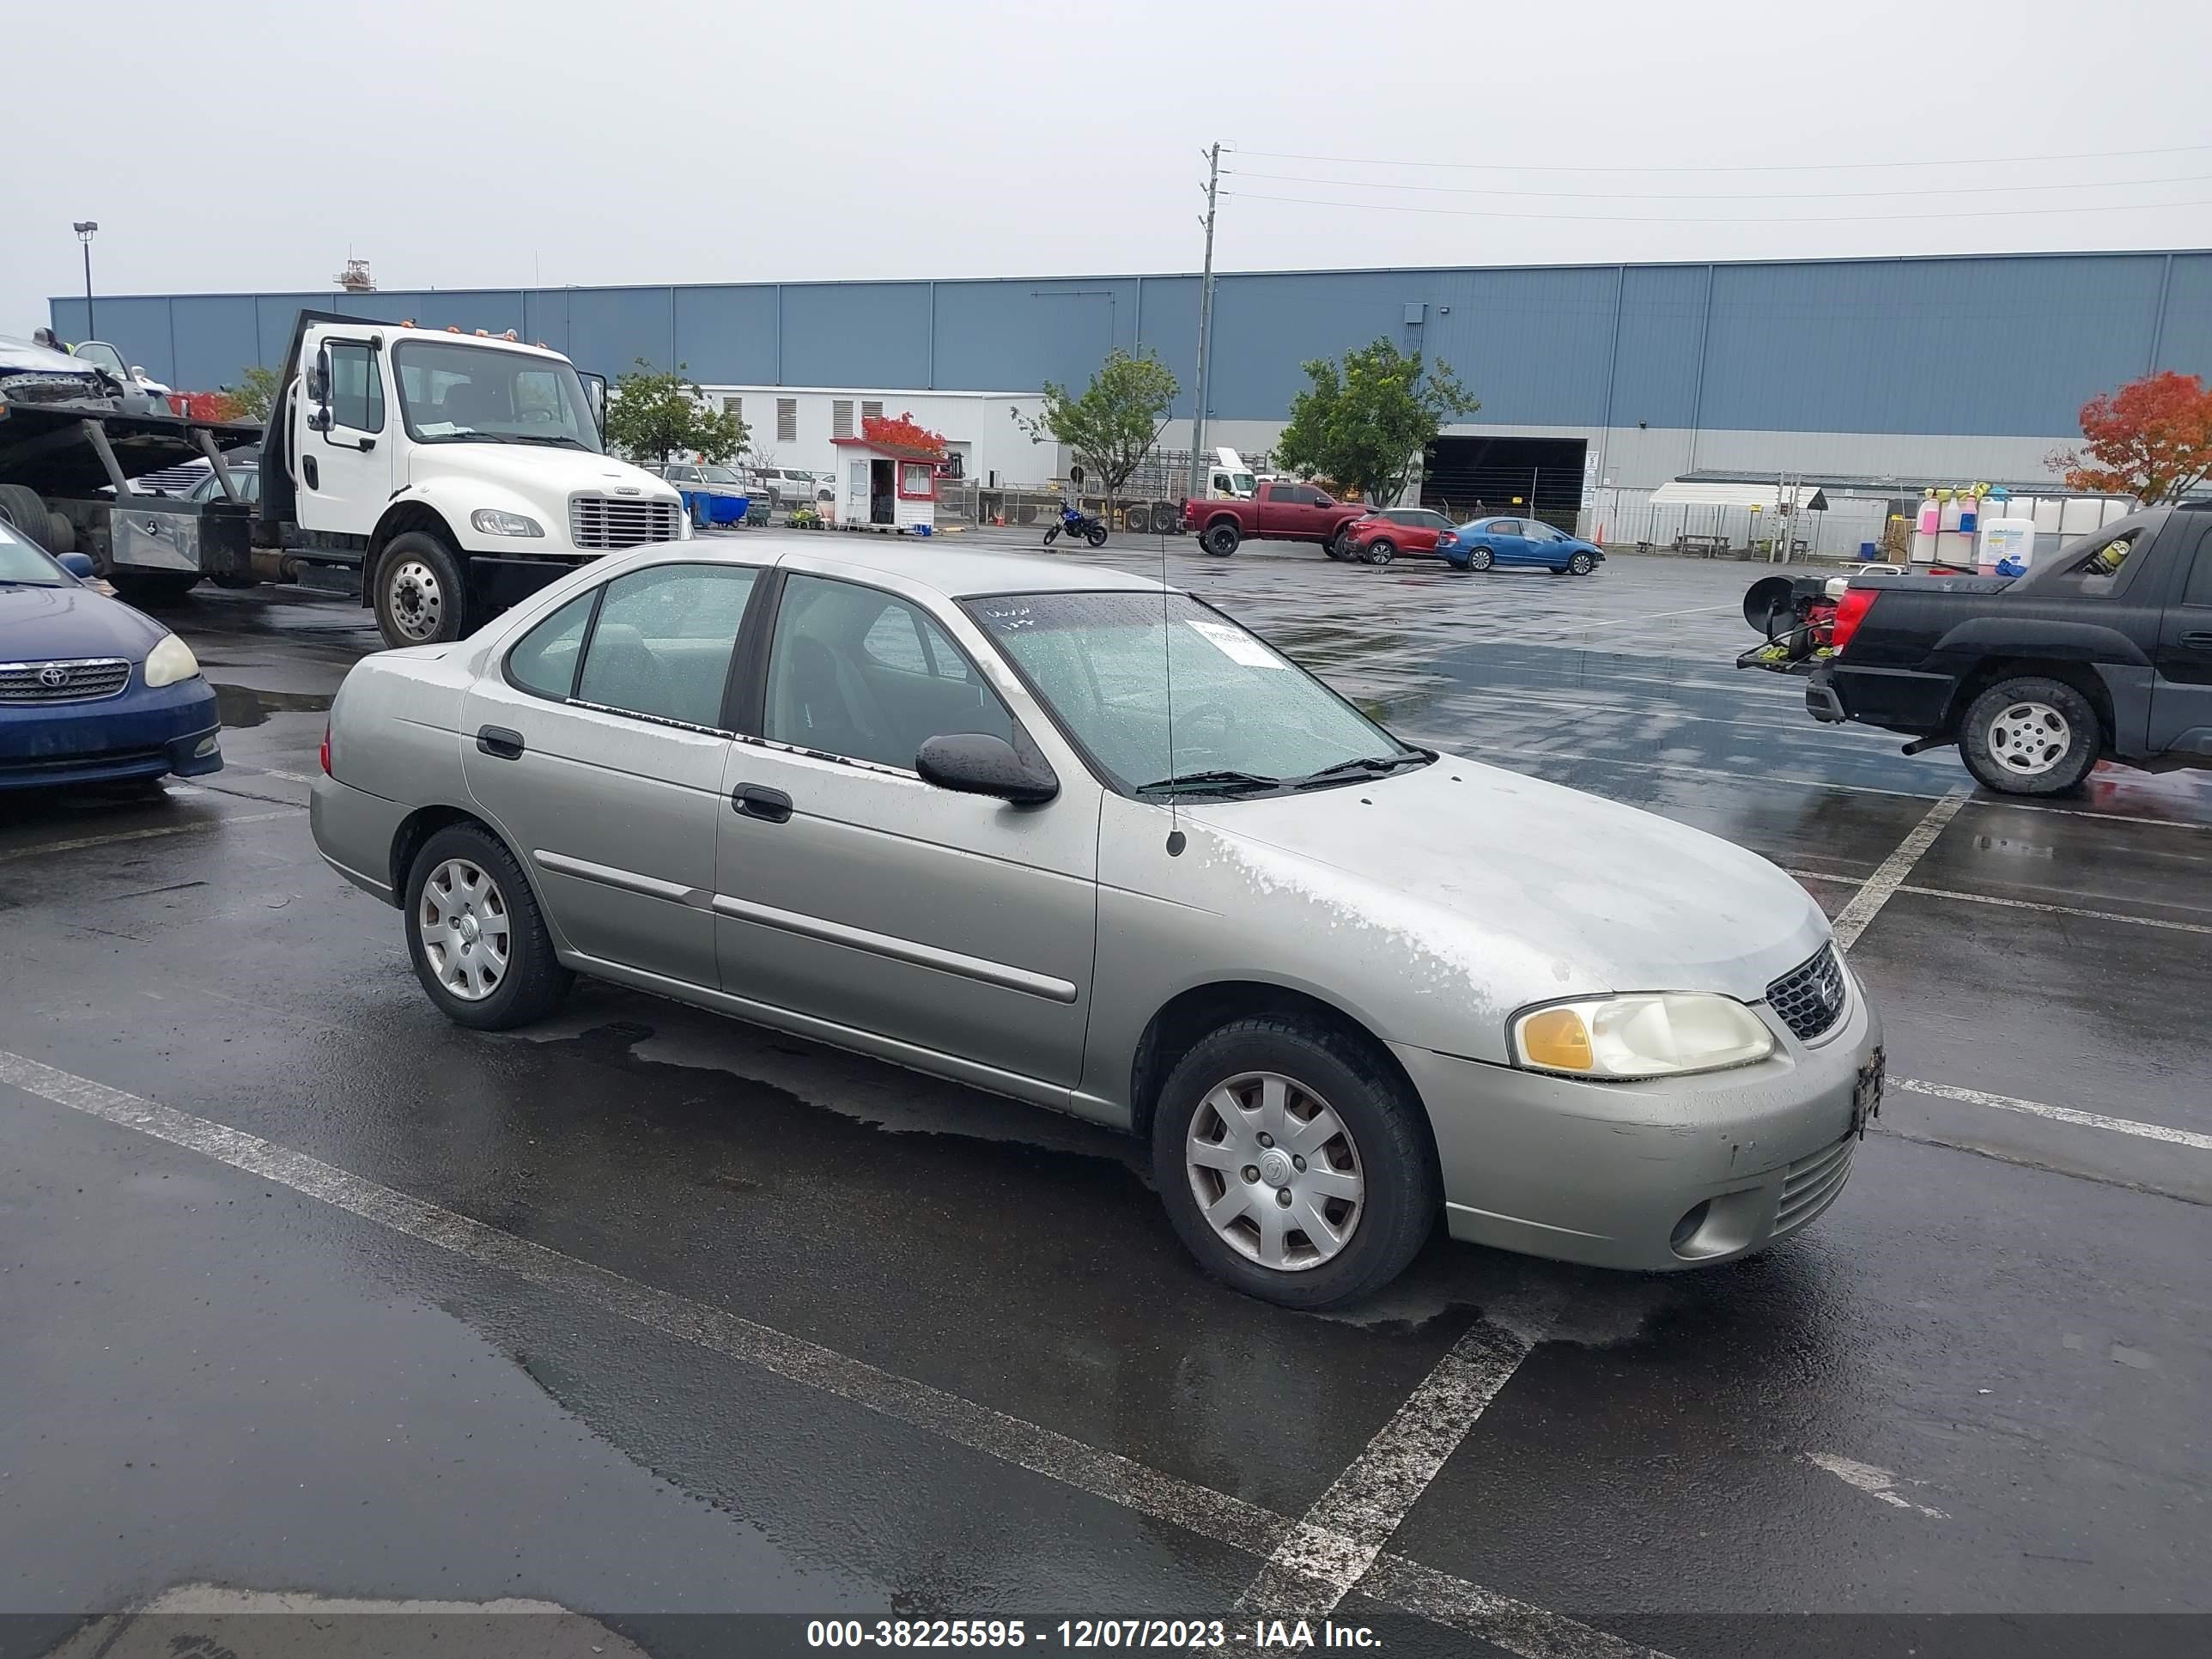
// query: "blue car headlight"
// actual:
[[170, 661]]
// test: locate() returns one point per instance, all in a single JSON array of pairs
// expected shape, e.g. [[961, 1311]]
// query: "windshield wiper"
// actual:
[[1218, 782], [546, 438], [1364, 765]]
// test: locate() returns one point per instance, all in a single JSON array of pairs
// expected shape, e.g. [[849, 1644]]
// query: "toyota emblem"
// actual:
[[53, 676]]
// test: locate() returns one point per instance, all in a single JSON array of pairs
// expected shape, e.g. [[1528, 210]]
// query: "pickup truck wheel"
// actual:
[[1380, 551], [1221, 538], [1294, 1164], [1480, 559], [2030, 736], [1338, 546], [419, 596]]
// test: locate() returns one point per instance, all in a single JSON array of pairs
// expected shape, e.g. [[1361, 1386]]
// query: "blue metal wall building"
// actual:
[[1660, 365]]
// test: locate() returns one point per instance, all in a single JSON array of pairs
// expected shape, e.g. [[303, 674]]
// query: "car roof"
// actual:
[[960, 572]]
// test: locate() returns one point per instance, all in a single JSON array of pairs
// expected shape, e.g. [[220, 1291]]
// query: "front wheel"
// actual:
[[2031, 736], [1051, 535], [1095, 535], [1221, 538], [475, 935], [421, 598], [1293, 1163], [1381, 552], [1582, 564], [1480, 559]]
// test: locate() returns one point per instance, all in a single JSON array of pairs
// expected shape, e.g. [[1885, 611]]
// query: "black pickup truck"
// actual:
[[2102, 651]]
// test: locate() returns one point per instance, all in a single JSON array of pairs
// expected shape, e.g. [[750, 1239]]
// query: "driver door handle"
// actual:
[[757, 801]]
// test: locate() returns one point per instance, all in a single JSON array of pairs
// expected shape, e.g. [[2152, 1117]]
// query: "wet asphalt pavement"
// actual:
[[647, 1314]]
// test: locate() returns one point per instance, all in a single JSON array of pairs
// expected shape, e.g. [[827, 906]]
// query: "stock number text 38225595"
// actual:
[[1196, 1634]]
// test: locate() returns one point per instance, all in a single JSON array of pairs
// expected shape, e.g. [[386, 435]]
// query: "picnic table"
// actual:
[[1706, 546]]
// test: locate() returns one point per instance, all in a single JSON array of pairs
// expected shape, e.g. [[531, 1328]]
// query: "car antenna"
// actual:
[[1176, 840]]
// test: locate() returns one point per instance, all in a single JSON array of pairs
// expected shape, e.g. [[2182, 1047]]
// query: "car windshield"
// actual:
[[20, 561], [719, 475], [452, 393], [105, 356], [1246, 717]]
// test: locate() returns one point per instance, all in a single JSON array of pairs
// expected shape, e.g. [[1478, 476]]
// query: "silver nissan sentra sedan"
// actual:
[[1072, 837]]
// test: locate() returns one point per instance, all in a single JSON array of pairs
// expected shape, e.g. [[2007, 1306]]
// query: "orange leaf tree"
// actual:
[[2151, 440], [208, 405]]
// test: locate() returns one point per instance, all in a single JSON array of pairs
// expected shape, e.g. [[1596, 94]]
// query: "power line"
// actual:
[[1721, 219], [1756, 167], [1703, 195]]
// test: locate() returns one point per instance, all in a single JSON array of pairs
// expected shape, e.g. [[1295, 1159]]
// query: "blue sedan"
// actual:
[[92, 691], [1503, 544]]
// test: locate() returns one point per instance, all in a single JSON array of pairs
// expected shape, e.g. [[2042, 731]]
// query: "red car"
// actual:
[[1385, 533]]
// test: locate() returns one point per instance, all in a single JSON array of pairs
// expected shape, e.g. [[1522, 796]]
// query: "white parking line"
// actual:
[[1529, 1631], [2126, 1125], [1866, 903], [1337, 1542], [143, 834]]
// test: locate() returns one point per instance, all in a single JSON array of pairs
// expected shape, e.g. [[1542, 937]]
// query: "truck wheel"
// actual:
[[22, 509], [421, 598], [152, 587], [1221, 538], [1336, 547], [2030, 736]]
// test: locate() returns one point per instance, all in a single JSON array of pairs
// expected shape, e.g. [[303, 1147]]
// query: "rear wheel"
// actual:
[[23, 509], [1294, 1164], [421, 598], [1221, 538], [2031, 736], [1339, 546], [1095, 535], [1380, 551], [1480, 559], [475, 935]]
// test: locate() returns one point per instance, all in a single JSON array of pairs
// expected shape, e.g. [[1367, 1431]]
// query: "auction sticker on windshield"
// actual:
[[1235, 644]]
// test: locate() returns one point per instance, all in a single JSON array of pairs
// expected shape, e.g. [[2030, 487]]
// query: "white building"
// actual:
[[797, 426]]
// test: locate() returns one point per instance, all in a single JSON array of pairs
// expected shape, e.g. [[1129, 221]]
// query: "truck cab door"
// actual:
[[342, 442], [2181, 686]]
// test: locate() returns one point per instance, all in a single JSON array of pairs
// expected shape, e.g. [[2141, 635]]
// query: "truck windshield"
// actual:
[[452, 393]]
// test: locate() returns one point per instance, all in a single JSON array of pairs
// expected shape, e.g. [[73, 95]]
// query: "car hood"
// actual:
[[1503, 890], [38, 624], [536, 470]]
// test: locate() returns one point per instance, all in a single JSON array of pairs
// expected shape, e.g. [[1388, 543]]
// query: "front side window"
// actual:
[[1104, 663], [452, 392], [856, 672], [104, 355], [545, 661], [662, 643], [357, 387]]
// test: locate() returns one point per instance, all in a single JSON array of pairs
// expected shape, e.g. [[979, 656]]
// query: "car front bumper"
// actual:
[[1655, 1177], [139, 734]]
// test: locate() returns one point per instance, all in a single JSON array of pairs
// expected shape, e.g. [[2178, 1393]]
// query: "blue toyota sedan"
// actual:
[[1504, 543], [92, 691]]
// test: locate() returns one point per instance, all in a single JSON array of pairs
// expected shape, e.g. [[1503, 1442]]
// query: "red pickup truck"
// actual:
[[1283, 511]]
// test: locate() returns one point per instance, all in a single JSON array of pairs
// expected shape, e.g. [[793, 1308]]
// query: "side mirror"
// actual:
[[78, 566], [972, 764], [319, 378]]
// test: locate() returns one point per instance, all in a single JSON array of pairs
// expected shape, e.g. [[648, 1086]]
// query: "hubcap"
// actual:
[[418, 599], [463, 925], [2028, 739], [1274, 1171]]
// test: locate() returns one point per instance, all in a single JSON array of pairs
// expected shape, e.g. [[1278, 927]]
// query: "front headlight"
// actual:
[[1660, 1034], [170, 661], [493, 522]]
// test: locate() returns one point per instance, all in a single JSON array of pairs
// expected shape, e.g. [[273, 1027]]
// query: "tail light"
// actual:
[[327, 748], [1850, 612]]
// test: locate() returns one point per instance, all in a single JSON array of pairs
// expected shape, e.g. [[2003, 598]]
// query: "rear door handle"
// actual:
[[2198, 641], [756, 801], [498, 741]]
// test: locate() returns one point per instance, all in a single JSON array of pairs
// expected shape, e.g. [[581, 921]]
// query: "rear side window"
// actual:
[[545, 661], [1505, 526], [662, 644], [2105, 566], [2199, 591]]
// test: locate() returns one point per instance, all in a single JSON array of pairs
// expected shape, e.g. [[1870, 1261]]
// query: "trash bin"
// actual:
[[1866, 552]]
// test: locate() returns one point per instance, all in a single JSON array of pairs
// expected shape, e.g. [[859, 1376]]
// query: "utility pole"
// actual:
[[84, 228], [1201, 473]]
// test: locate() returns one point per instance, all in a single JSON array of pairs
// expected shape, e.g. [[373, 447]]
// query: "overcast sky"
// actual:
[[256, 144]]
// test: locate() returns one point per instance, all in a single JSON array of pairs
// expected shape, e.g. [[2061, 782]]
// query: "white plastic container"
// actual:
[[2082, 515], [2005, 538], [2048, 510]]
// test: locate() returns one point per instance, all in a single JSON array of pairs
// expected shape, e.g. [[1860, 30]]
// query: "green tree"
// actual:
[[1364, 423], [255, 394], [654, 415], [1112, 426]]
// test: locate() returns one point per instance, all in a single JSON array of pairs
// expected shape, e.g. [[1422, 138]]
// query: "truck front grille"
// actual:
[[70, 679], [599, 524]]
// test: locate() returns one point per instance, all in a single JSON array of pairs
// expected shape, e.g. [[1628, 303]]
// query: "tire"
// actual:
[[1137, 520], [145, 588], [1480, 559], [1582, 564], [1337, 546], [2031, 736], [1051, 535], [422, 598], [1384, 1139], [1558, 569], [1095, 535], [530, 981], [1221, 538], [22, 508], [1381, 551]]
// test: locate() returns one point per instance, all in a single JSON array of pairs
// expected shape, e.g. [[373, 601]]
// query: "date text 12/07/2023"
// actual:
[[1193, 1635]]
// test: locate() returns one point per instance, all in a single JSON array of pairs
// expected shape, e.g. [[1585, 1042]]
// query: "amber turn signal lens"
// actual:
[[1557, 1038]]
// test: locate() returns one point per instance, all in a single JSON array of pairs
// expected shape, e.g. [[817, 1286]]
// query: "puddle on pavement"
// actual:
[[243, 705]]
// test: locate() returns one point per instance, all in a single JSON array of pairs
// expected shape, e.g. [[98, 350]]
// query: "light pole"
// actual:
[[85, 227]]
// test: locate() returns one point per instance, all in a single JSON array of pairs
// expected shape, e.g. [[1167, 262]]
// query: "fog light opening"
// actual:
[[209, 744], [1687, 1228]]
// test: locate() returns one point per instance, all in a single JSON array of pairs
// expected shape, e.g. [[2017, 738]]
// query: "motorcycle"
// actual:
[[1075, 522]]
